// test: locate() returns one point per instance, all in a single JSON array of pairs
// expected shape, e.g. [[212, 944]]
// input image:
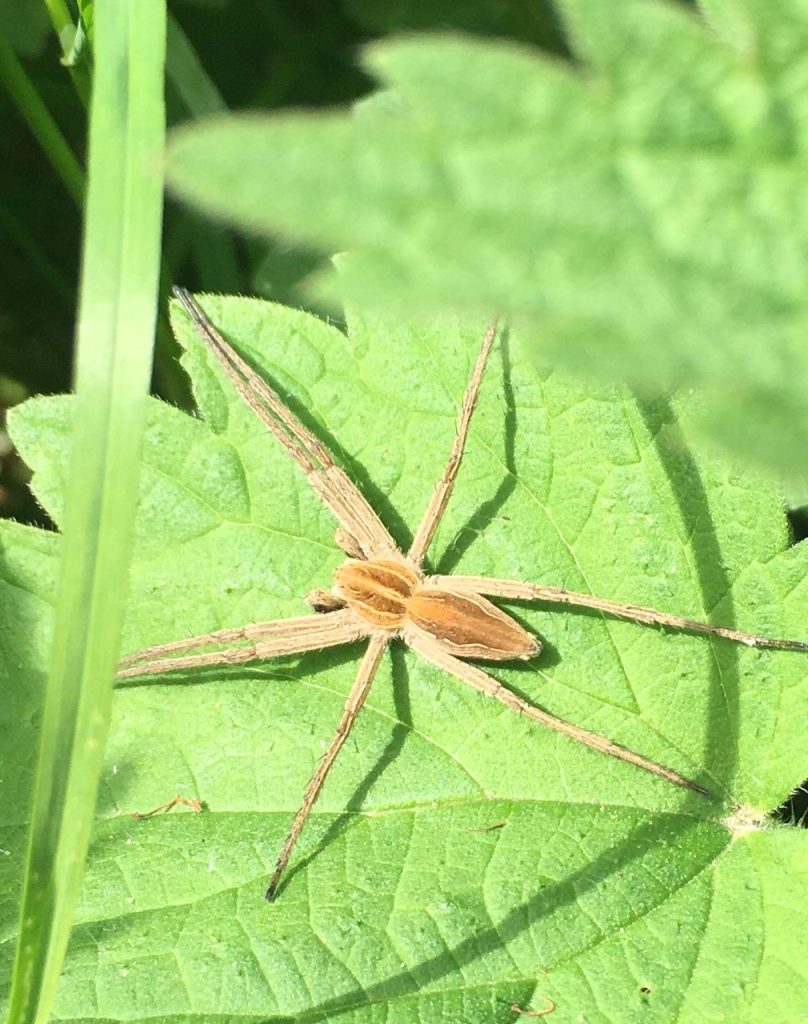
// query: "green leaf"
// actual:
[[639, 211], [461, 858]]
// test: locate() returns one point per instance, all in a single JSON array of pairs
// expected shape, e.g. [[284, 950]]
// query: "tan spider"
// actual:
[[381, 593]]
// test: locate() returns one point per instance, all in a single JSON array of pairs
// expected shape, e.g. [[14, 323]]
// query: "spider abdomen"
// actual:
[[469, 626]]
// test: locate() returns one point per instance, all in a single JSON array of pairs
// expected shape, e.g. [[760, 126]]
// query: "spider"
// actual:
[[382, 593]]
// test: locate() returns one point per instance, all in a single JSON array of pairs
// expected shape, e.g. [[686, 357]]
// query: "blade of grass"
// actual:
[[212, 246], [215, 252], [187, 74], [39, 120], [115, 335]]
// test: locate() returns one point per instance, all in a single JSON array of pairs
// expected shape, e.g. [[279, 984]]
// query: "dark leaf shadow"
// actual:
[[688, 491], [516, 922]]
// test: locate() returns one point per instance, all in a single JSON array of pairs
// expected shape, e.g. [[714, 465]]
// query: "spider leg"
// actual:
[[326, 478], [515, 590], [266, 640], [349, 544], [443, 491], [353, 705], [549, 1008], [176, 801], [432, 651], [324, 600]]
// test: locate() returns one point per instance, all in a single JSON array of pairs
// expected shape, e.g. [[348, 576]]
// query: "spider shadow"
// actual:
[[690, 496], [689, 492], [549, 656], [486, 511], [294, 669], [402, 728], [288, 669], [714, 584]]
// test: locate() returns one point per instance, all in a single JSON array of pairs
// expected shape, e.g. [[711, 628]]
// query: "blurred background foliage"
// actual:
[[222, 55]]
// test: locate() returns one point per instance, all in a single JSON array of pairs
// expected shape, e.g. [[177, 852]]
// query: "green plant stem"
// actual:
[[213, 246], [115, 336], [69, 35]]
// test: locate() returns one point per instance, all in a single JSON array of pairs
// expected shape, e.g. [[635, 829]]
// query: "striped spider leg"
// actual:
[[381, 593]]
